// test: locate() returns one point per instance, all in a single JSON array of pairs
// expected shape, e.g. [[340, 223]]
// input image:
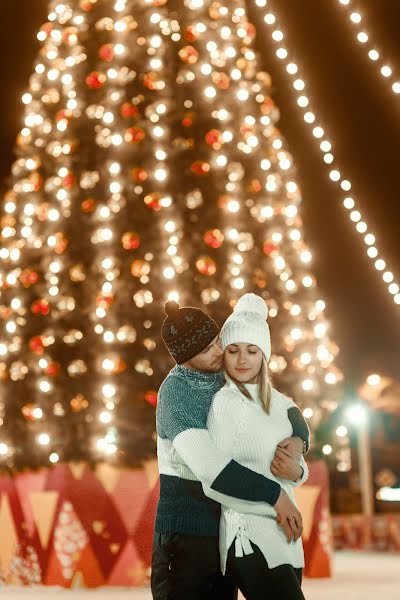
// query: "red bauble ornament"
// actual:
[[189, 55], [68, 181], [245, 130], [140, 267], [269, 247], [190, 34], [206, 266], [221, 80], [28, 278], [130, 240], [40, 307], [119, 366], [134, 135], [250, 30], [37, 181], [62, 114], [27, 411], [42, 211], [214, 138], [267, 106], [103, 301], [214, 238], [106, 52], [200, 168], [52, 369], [255, 186], [223, 200], [61, 243], [138, 174], [151, 397], [128, 110], [47, 28], [69, 35], [87, 5], [88, 205], [153, 200], [36, 345], [150, 80], [5, 312], [95, 80], [188, 119]]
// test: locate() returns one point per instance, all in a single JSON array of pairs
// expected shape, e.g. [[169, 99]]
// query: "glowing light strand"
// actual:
[[325, 146], [355, 18]]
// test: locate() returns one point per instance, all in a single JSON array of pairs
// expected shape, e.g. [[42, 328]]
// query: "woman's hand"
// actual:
[[285, 466], [294, 446]]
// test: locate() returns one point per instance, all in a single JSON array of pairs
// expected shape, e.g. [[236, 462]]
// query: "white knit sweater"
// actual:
[[241, 429]]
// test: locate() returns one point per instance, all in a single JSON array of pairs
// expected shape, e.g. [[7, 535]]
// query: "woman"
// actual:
[[247, 420]]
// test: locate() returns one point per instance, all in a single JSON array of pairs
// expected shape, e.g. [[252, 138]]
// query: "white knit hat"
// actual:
[[247, 324]]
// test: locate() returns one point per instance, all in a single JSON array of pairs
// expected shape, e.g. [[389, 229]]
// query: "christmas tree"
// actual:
[[149, 167]]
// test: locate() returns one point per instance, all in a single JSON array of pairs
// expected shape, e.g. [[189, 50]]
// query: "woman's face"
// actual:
[[243, 362]]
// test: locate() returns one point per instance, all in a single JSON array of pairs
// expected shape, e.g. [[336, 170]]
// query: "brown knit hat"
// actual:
[[187, 331]]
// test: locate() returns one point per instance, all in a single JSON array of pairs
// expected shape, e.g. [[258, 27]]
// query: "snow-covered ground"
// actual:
[[357, 577]]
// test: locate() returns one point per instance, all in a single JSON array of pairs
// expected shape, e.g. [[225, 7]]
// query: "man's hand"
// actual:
[[294, 445], [284, 466], [288, 517]]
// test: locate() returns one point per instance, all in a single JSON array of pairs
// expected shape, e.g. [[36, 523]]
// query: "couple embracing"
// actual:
[[230, 452]]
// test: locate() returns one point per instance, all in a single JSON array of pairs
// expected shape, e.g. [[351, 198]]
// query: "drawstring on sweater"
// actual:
[[242, 544]]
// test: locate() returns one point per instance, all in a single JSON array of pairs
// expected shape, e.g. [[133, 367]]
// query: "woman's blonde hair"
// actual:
[[264, 387]]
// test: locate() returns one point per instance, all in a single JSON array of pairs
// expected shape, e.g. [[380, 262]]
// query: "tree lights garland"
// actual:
[[150, 168], [355, 17], [325, 146]]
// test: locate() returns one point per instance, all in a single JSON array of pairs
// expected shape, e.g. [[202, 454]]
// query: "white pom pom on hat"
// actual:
[[252, 303], [247, 324]]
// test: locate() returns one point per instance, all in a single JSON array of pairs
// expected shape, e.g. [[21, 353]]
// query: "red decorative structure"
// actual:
[[380, 533], [74, 527], [313, 502]]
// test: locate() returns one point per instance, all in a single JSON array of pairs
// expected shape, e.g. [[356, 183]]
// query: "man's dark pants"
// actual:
[[187, 567]]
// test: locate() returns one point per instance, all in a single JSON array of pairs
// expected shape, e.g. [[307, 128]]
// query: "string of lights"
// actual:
[[325, 146], [362, 37]]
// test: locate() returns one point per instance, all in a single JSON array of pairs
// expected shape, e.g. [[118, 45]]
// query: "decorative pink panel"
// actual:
[[74, 527]]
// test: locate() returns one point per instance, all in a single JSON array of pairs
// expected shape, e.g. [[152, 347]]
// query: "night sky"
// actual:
[[361, 116]]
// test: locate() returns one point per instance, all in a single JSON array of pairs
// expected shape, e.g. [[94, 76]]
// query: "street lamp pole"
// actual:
[[360, 417], [365, 468]]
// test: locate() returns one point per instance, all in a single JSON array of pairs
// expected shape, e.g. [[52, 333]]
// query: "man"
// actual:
[[185, 563]]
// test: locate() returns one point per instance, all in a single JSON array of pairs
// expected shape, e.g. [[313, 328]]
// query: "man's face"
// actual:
[[209, 360]]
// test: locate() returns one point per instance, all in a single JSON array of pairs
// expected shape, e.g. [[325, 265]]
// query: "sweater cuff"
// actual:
[[299, 426], [240, 482]]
